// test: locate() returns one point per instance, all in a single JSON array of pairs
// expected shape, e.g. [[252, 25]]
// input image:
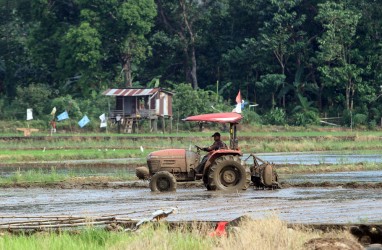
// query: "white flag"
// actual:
[[237, 109], [103, 121], [29, 114], [53, 111]]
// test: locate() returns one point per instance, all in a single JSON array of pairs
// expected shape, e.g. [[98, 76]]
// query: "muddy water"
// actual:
[[306, 205], [335, 177]]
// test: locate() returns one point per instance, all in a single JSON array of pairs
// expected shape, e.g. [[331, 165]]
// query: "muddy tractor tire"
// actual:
[[142, 173], [163, 181], [248, 179], [227, 173], [205, 181]]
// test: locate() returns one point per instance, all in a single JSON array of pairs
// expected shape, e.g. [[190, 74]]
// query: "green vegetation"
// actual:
[[12, 156], [262, 232], [101, 146], [53, 176], [21, 153], [298, 60], [33, 176]]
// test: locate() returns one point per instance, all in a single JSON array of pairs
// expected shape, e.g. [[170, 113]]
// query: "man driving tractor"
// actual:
[[218, 144]]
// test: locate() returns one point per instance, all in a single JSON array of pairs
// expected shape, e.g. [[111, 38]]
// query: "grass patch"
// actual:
[[13, 156], [248, 143], [34, 175], [269, 233], [26, 151], [244, 129], [52, 176]]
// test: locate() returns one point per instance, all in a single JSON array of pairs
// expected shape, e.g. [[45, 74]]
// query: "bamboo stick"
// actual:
[[45, 222], [46, 216], [68, 216], [58, 225], [42, 222]]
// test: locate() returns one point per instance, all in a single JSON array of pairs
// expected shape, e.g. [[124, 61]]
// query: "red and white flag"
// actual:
[[238, 98], [237, 109]]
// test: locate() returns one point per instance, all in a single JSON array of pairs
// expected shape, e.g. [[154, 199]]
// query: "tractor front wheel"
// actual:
[[227, 173], [163, 181], [142, 173]]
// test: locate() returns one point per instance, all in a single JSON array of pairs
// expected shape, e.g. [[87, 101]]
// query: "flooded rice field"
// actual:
[[303, 158], [111, 166], [334, 177], [301, 205], [297, 205]]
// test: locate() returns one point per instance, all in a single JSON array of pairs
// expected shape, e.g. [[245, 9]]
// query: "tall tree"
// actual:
[[122, 27], [15, 66], [282, 34], [180, 19], [337, 53]]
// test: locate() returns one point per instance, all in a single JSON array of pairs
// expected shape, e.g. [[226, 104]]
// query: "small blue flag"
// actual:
[[63, 116], [243, 104], [85, 120]]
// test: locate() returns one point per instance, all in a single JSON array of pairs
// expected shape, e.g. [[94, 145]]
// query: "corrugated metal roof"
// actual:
[[130, 92]]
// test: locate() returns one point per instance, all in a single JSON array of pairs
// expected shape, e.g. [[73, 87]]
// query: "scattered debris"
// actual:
[[111, 222], [41, 223], [332, 244], [156, 216]]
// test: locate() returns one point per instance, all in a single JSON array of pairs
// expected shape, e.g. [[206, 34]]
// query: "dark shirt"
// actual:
[[216, 146]]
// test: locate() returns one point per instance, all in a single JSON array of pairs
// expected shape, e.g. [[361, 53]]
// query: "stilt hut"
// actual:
[[135, 104]]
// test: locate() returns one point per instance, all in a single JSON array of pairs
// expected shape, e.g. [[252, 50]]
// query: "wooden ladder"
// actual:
[[129, 126]]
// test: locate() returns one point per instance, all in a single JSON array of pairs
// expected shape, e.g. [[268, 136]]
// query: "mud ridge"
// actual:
[[78, 184]]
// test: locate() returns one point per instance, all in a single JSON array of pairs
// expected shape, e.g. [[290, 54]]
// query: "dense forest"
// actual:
[[297, 59]]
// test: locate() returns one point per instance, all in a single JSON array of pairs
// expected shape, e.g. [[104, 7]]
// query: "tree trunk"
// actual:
[[188, 27], [320, 91], [187, 70], [126, 70], [352, 97], [347, 98], [194, 77], [283, 72]]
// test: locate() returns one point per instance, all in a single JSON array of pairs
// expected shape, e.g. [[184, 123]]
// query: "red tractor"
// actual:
[[223, 169]]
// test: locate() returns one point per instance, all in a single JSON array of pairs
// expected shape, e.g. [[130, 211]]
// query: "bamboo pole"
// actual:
[[61, 220], [58, 225], [69, 216]]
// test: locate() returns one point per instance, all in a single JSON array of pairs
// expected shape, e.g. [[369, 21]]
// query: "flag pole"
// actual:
[[217, 90], [70, 120]]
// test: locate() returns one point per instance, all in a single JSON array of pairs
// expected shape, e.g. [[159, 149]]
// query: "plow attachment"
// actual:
[[263, 173]]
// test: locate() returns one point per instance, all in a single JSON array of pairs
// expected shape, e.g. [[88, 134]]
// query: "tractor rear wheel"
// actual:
[[163, 181], [205, 181], [247, 179], [227, 173]]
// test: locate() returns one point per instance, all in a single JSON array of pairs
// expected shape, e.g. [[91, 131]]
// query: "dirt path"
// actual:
[[306, 205]]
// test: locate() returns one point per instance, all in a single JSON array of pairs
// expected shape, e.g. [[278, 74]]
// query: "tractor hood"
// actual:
[[216, 117], [170, 153], [173, 161]]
